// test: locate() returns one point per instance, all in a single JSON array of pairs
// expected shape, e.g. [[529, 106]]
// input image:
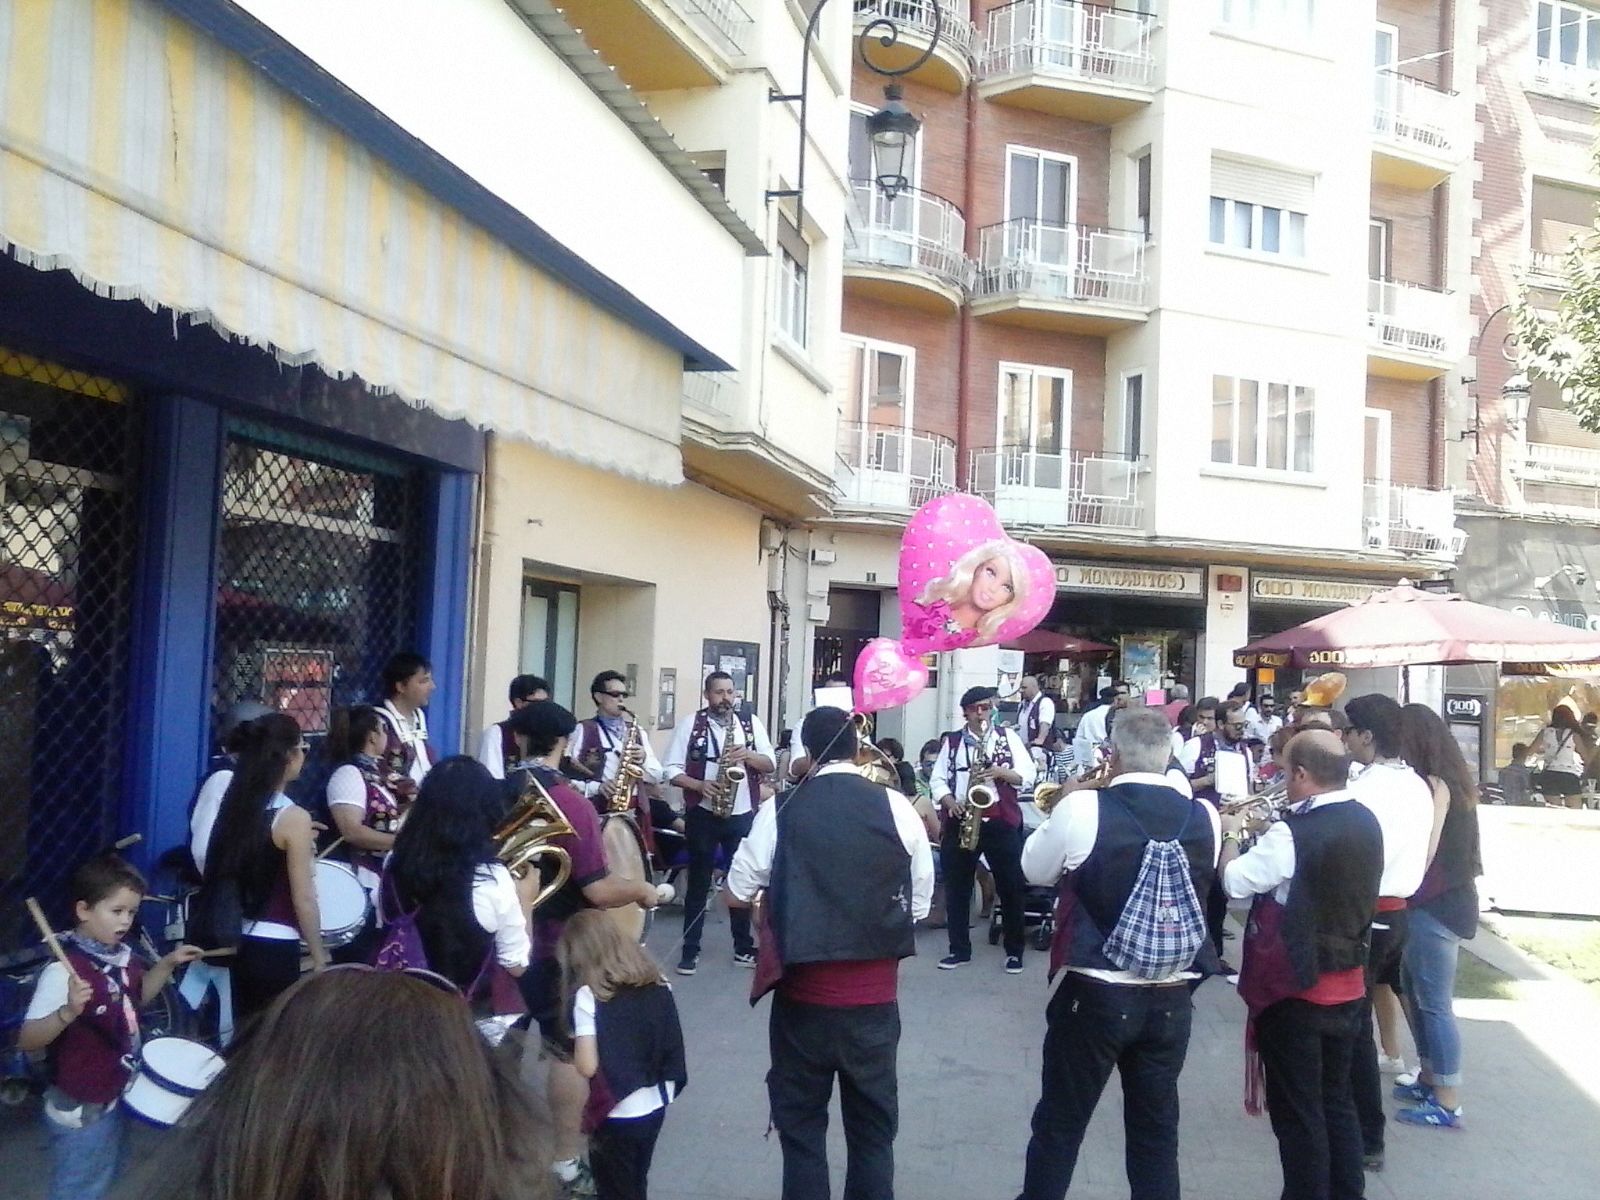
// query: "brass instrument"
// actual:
[[1264, 808], [524, 837], [725, 789], [1047, 795], [874, 765], [980, 796], [630, 768]]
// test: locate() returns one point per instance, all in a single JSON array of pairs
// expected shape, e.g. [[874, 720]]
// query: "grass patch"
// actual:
[[1477, 980], [1570, 946]]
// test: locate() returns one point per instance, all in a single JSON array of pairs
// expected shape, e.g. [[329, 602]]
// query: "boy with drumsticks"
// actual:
[[84, 1010]]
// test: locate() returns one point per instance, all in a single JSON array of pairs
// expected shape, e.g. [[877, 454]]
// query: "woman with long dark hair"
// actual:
[[1443, 912], [1564, 747], [264, 843], [365, 807], [472, 916]]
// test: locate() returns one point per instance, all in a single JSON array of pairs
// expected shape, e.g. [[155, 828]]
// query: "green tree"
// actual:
[[1563, 344]]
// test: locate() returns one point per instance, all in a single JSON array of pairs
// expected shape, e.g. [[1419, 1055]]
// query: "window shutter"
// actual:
[[1255, 183], [789, 238]]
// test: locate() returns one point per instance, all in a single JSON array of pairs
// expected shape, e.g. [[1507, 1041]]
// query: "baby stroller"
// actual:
[[1038, 903]]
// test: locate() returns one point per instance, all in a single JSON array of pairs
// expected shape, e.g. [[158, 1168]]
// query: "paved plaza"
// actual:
[[969, 1061]]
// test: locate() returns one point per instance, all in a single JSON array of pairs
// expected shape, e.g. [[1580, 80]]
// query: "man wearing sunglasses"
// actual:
[[598, 743]]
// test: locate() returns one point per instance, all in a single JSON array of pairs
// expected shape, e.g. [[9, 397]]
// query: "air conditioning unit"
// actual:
[[823, 557]]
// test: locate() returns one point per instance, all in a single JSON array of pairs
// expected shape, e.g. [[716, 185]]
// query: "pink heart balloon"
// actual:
[[964, 581], [886, 676]]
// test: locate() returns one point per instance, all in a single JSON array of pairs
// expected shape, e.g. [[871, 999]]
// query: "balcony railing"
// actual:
[[916, 230], [1547, 268], [955, 31], [725, 21], [1065, 38], [710, 391], [1412, 318], [1418, 116], [1076, 487], [1565, 79], [1037, 260], [1561, 464], [889, 466], [1411, 519]]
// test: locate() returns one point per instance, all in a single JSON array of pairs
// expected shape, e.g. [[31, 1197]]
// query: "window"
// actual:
[[875, 404], [1566, 43], [1125, 435], [1380, 246], [1035, 408], [1561, 212], [550, 635], [1040, 186], [1259, 208], [1141, 193], [1293, 18], [1265, 425], [794, 317]]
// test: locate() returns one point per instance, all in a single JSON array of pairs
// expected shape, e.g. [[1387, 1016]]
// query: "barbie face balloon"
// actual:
[[964, 582]]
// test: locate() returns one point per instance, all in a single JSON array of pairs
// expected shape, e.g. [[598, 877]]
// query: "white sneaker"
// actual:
[[1391, 1066], [1406, 1079]]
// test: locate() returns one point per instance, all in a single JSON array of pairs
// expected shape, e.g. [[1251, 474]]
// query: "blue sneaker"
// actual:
[[1429, 1112], [1413, 1093]]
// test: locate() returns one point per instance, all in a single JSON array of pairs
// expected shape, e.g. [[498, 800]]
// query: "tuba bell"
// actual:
[[872, 763], [524, 837]]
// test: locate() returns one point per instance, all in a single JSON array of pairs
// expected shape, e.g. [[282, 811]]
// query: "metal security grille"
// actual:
[[68, 528], [317, 580]]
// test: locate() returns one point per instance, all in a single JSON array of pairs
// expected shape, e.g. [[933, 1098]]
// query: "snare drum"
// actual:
[[172, 1071], [341, 901]]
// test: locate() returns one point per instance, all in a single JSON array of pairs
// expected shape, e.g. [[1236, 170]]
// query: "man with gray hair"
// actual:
[[1105, 1015]]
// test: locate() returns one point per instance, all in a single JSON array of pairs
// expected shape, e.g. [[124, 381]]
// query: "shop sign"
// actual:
[[1131, 580], [20, 614], [1328, 593], [1573, 620], [1460, 706], [300, 684]]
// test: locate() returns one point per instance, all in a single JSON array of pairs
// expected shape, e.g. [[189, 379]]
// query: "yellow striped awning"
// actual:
[[156, 165]]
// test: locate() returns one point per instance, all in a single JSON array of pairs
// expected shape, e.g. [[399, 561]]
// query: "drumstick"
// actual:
[[133, 839], [334, 845], [50, 938]]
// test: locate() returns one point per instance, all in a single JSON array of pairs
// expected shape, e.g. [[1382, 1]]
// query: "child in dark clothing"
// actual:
[[89, 1019], [627, 1041]]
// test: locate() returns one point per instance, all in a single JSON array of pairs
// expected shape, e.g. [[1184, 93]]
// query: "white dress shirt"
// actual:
[[1063, 843], [491, 751], [611, 743], [1268, 866], [1047, 716], [677, 759], [204, 817], [1090, 734], [940, 781], [751, 869], [1403, 803]]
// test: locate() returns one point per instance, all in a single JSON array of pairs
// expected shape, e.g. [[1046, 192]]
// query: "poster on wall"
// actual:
[[300, 684], [1142, 661], [667, 698], [742, 660]]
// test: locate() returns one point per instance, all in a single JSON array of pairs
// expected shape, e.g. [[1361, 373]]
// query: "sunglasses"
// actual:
[[431, 978], [618, 695]]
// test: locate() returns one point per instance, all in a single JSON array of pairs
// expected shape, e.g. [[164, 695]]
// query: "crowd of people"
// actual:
[[504, 916]]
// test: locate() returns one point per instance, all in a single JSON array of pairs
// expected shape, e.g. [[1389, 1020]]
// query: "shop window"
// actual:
[[68, 530], [317, 577]]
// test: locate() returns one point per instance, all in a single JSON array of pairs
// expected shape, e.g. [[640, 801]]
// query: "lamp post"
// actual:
[[1516, 393], [891, 128]]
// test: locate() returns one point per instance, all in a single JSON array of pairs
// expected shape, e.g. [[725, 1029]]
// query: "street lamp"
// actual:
[[1516, 393], [891, 128]]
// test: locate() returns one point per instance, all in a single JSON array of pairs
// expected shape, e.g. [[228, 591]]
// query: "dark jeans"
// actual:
[[1142, 1031], [1216, 912], [619, 1155], [262, 968], [1001, 845], [705, 833], [811, 1044], [1305, 1049], [1366, 1082]]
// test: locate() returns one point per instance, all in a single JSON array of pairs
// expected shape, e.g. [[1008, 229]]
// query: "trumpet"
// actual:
[[1266, 807], [524, 837], [1047, 795]]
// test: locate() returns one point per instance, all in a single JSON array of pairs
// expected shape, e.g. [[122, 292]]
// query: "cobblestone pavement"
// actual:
[[969, 1061]]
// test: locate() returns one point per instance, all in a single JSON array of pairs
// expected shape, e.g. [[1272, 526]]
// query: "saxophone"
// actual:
[[630, 768], [980, 796], [725, 790]]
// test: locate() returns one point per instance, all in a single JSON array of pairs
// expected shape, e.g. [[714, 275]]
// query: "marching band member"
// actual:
[[698, 756], [1313, 882], [597, 746], [497, 749], [1200, 760], [999, 832], [365, 808], [1037, 720], [839, 868], [407, 688]]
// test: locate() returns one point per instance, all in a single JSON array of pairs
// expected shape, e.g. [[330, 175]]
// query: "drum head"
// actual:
[[172, 1072], [627, 858], [341, 901]]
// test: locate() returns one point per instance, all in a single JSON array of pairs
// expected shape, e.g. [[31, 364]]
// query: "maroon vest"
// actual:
[[509, 750], [90, 1055], [1007, 811], [701, 750], [396, 753]]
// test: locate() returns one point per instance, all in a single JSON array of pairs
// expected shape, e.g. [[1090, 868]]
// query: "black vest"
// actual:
[[841, 876], [640, 1040], [1131, 815], [1338, 861]]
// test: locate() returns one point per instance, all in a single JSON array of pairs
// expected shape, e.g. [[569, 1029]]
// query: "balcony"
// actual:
[[1563, 478], [1420, 132], [949, 68], [1079, 488], [1411, 520], [1084, 61], [661, 45], [1064, 278], [892, 468], [1569, 81], [1547, 270], [1413, 332], [909, 250], [710, 393]]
